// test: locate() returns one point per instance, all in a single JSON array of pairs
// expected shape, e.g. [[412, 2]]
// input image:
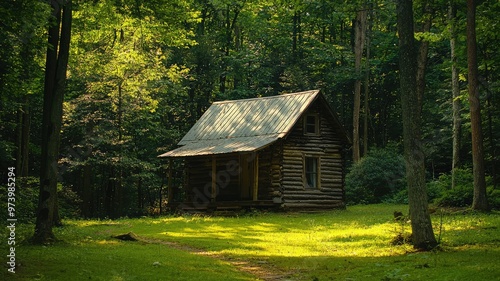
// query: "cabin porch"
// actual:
[[222, 206], [221, 181]]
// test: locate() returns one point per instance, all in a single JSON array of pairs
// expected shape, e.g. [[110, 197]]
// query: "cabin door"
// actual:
[[247, 175]]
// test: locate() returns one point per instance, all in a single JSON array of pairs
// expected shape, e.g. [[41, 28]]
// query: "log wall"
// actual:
[[327, 145], [270, 172]]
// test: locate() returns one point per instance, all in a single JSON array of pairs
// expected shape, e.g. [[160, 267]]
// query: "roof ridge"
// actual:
[[268, 97], [241, 118], [275, 134]]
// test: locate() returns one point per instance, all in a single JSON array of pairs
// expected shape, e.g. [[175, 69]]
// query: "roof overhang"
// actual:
[[222, 146]]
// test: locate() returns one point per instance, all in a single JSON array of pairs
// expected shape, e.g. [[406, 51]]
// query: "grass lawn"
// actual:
[[352, 244]]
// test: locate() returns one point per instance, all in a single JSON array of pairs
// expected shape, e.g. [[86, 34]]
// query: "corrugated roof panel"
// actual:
[[250, 117], [243, 125], [210, 147]]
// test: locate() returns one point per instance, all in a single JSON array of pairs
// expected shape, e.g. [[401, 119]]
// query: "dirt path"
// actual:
[[260, 269]]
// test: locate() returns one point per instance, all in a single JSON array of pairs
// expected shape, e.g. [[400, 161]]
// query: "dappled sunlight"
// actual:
[[334, 245], [277, 236], [107, 242], [198, 234], [328, 234], [166, 220], [90, 223]]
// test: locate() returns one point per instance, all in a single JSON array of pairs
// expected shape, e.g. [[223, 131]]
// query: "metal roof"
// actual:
[[220, 146], [243, 125]]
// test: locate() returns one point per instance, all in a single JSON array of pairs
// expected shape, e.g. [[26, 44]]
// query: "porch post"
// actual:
[[256, 177], [214, 180]]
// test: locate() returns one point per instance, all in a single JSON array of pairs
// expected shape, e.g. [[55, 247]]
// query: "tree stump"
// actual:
[[127, 237]]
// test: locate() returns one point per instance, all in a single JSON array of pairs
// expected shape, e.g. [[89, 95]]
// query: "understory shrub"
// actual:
[[26, 195], [441, 193], [376, 178], [493, 197], [460, 196]]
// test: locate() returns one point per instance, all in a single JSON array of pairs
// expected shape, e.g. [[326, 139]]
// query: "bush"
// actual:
[[463, 193], [460, 196], [69, 203], [493, 198], [26, 199], [27, 189], [376, 178]]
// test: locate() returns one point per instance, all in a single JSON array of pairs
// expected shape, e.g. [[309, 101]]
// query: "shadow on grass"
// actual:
[[338, 245]]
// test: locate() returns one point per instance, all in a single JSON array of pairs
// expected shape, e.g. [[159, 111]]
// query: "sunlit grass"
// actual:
[[286, 235], [352, 244]]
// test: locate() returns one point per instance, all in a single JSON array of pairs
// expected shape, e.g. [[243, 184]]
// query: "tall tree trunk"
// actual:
[[87, 202], [455, 89], [367, 89], [19, 138], [25, 135], [489, 108], [24, 117], [55, 80], [479, 201], [492, 140], [359, 34], [118, 182], [423, 51], [422, 233], [296, 36]]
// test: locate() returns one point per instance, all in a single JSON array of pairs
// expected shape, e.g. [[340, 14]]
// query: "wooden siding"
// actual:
[[270, 172], [198, 177], [327, 146]]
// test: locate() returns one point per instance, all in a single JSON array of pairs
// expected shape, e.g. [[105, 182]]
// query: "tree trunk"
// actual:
[[422, 233], [479, 201], [28, 60], [55, 78], [367, 90], [455, 89], [118, 183], [423, 50], [359, 33], [25, 135], [87, 204], [296, 37], [19, 138]]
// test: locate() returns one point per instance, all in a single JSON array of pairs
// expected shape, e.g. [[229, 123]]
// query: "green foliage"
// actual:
[[69, 203], [142, 72], [27, 190], [441, 193], [377, 177], [493, 197], [460, 196], [26, 199]]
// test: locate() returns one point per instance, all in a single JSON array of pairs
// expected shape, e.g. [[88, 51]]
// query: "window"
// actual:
[[311, 172], [311, 124]]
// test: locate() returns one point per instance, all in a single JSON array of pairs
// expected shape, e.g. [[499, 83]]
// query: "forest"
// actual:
[[140, 73]]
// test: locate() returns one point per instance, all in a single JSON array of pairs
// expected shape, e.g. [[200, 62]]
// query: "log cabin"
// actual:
[[282, 151]]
